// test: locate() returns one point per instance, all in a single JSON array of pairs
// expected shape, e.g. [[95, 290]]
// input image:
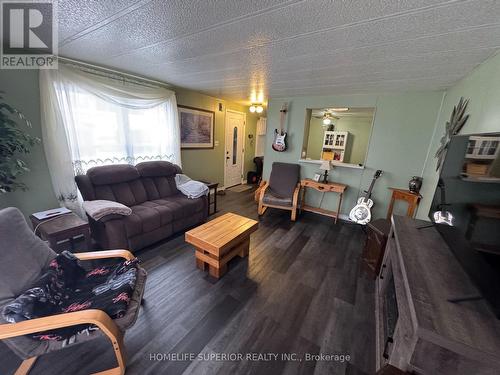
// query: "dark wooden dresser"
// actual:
[[418, 329]]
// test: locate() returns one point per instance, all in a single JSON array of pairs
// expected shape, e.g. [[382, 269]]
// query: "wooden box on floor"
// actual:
[[220, 240]]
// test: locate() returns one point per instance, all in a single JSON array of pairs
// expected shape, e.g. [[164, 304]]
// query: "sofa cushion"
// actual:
[[128, 193], [159, 187], [112, 174], [166, 214], [181, 206], [157, 168], [274, 200], [142, 219]]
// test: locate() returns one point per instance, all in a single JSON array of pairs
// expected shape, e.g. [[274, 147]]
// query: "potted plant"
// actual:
[[13, 143]]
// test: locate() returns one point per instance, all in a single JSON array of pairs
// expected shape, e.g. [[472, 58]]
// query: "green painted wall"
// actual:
[[482, 87], [21, 91], [359, 135], [402, 129], [315, 139], [209, 164]]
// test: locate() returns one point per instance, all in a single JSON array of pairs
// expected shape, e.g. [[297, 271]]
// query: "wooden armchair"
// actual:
[[23, 257], [282, 190]]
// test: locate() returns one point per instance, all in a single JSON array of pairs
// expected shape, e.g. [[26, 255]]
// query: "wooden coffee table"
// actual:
[[220, 240]]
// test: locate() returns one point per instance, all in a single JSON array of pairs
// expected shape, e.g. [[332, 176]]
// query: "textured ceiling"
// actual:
[[239, 49]]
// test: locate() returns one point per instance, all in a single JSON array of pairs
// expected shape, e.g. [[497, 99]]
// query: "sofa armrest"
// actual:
[[105, 254], [107, 218]]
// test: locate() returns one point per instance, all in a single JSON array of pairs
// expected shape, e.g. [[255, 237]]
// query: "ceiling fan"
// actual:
[[327, 116]]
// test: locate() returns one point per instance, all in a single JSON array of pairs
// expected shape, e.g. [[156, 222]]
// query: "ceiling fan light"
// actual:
[[252, 108], [327, 121], [259, 109]]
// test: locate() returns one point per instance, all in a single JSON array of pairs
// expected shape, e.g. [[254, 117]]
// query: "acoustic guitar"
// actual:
[[361, 213], [279, 143]]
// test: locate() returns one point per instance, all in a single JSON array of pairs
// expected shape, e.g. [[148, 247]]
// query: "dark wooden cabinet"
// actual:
[[418, 329], [376, 239]]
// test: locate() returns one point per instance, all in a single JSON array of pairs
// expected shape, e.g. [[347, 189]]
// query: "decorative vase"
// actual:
[[415, 184]]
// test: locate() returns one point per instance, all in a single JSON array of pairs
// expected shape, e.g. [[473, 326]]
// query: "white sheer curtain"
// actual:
[[89, 120]]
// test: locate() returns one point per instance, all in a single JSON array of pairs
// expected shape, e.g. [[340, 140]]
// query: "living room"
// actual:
[[250, 187]]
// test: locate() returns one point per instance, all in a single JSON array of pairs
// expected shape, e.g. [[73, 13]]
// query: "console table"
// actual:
[[418, 329], [323, 187]]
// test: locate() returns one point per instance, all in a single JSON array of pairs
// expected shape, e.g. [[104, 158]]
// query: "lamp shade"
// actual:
[[325, 165]]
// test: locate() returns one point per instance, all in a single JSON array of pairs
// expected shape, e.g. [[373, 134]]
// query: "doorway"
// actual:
[[235, 151]]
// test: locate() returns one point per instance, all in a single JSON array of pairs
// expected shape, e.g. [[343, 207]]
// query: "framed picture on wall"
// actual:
[[197, 127]]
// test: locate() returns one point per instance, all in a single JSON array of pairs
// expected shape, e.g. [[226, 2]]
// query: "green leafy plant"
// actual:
[[13, 143]]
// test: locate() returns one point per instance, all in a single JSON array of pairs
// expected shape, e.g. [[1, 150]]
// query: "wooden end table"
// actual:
[[220, 240], [404, 195], [323, 187], [212, 202], [60, 229]]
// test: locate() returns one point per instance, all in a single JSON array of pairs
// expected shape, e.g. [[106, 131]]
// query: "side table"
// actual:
[[58, 230], [212, 202], [323, 187], [405, 195]]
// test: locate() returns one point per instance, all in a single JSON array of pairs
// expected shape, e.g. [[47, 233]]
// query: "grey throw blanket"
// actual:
[[99, 208], [190, 188]]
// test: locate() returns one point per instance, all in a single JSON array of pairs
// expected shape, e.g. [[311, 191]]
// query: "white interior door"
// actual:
[[235, 130]]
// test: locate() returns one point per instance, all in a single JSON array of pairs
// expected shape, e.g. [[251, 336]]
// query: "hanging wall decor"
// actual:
[[453, 127], [197, 127]]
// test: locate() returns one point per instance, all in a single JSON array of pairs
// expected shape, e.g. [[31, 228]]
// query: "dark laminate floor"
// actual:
[[300, 291]]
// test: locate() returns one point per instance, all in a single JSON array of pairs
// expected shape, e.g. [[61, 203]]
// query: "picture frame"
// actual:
[[316, 177], [196, 127]]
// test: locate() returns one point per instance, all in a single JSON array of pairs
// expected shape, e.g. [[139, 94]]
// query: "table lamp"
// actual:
[[325, 166]]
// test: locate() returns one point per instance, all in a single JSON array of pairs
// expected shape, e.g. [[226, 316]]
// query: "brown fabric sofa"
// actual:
[[158, 208]]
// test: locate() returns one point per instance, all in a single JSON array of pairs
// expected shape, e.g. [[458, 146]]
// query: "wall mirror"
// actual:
[[340, 135]]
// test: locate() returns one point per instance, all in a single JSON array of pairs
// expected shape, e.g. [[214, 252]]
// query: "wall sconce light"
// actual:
[[256, 108]]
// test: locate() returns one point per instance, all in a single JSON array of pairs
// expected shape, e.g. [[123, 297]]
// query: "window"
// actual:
[[235, 145], [90, 118], [108, 133]]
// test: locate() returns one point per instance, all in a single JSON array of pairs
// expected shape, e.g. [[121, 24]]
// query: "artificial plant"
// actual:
[[14, 142]]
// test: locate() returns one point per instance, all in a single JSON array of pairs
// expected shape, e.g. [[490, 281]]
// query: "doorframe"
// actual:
[[243, 146]]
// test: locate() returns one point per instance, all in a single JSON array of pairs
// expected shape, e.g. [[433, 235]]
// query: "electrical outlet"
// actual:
[[216, 143]]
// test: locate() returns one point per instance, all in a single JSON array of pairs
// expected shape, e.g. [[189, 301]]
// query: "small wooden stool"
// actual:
[[405, 195]]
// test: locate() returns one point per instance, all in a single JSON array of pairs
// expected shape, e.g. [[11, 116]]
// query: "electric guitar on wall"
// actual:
[[279, 143], [361, 213]]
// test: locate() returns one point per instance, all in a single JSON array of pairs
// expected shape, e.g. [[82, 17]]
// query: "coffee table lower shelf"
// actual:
[[217, 266], [220, 240]]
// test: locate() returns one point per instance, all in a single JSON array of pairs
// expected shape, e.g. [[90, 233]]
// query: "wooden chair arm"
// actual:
[[263, 191], [296, 195], [105, 254], [91, 316]]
